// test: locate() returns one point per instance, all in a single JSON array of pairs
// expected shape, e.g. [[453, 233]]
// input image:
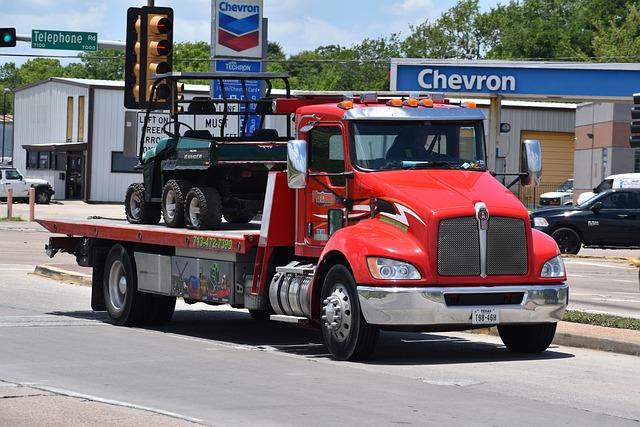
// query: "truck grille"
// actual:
[[459, 247]]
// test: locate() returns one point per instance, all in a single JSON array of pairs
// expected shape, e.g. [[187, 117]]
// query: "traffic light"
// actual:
[[634, 140], [149, 46], [7, 37]]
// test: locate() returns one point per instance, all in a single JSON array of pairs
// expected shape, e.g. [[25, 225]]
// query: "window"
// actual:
[[81, 119], [616, 201], [70, 119], [43, 160], [12, 175], [327, 154], [32, 160], [121, 163], [636, 167]]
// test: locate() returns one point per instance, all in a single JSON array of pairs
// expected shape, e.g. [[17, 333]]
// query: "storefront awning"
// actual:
[[57, 146]]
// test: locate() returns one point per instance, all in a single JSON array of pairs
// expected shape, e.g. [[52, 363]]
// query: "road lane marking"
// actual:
[[595, 264], [77, 395]]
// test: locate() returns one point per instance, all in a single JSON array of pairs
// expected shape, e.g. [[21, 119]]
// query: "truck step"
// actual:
[[289, 319]]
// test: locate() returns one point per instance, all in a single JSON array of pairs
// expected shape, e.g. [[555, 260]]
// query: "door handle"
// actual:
[[623, 216]]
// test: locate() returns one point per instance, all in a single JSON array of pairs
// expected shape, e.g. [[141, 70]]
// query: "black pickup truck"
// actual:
[[609, 220]]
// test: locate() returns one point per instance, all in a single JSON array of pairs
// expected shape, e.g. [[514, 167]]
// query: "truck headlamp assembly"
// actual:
[[553, 268], [390, 269], [540, 222]]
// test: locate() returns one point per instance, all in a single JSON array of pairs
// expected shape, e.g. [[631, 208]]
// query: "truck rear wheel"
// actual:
[[125, 305], [346, 333], [203, 208], [173, 196], [137, 210], [527, 338]]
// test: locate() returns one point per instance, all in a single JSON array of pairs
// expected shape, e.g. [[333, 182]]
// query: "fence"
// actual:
[[530, 196]]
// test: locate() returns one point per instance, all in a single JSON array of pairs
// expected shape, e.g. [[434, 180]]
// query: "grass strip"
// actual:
[[599, 319], [13, 219]]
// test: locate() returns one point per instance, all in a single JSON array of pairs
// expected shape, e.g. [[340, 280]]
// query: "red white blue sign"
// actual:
[[238, 28]]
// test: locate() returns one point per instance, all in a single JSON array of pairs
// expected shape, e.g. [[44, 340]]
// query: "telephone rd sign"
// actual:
[[65, 40]]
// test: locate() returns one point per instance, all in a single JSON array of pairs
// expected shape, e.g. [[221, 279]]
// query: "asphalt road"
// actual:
[[218, 367]]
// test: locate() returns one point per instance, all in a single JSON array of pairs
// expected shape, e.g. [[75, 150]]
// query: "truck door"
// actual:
[[615, 220], [326, 155]]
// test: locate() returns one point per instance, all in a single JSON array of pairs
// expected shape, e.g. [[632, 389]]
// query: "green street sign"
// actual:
[[66, 40]]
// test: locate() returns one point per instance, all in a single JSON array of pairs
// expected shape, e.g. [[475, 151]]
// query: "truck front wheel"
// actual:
[[125, 305], [346, 333], [527, 338]]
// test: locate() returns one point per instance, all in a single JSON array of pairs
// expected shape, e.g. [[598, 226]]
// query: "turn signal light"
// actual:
[[426, 102], [395, 102], [411, 102], [470, 104], [346, 105]]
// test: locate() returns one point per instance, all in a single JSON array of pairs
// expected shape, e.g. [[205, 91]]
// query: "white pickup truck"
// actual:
[[11, 177]]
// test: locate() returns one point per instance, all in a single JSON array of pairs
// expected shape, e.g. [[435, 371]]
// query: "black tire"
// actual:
[[203, 208], [239, 217], [174, 193], [125, 305], [527, 338], [160, 309], [352, 338], [568, 240], [260, 315], [43, 197], [137, 210]]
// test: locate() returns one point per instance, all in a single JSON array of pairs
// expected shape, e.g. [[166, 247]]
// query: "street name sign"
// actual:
[[65, 40]]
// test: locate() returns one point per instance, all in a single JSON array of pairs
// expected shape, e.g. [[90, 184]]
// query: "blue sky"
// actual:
[[296, 24]]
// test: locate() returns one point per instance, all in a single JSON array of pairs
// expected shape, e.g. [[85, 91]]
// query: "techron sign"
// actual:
[[575, 81]]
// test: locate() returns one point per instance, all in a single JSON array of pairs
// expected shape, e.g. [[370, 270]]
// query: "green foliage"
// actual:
[[619, 40], [103, 64], [192, 56], [599, 319]]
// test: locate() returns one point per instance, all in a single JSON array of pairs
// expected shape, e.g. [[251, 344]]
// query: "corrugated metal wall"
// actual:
[[108, 136], [41, 118], [531, 119]]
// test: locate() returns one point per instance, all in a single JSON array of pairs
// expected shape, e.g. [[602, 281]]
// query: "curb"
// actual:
[[581, 341], [61, 275], [568, 339]]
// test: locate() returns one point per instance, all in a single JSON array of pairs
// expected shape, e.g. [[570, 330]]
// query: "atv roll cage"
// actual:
[[207, 106]]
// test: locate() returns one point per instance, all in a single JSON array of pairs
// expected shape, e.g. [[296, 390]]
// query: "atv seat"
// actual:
[[199, 134]]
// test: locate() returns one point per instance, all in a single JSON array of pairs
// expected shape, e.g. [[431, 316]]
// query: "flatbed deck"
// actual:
[[229, 239]]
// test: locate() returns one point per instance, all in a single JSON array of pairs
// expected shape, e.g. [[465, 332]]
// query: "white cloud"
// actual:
[[308, 33], [411, 6]]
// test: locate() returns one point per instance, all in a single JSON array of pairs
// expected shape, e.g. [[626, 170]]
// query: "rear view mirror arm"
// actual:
[[517, 175]]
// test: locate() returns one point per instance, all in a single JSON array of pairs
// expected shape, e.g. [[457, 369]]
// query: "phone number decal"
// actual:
[[202, 242]]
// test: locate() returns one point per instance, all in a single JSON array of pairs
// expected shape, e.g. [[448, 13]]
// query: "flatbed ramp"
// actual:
[[229, 239]]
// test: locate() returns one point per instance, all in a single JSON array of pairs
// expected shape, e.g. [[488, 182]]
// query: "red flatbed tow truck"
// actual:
[[386, 218]]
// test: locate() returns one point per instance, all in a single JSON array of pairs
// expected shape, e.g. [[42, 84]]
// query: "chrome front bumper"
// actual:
[[427, 306]]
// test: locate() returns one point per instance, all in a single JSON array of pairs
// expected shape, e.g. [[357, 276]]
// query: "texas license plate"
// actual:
[[485, 316]]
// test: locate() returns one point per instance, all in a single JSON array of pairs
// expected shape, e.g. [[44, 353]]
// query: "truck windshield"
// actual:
[[417, 145]]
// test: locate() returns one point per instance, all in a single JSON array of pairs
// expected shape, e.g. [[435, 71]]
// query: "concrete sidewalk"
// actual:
[[569, 334]]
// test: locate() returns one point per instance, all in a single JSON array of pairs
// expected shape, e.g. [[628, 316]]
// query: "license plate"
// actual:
[[485, 316]]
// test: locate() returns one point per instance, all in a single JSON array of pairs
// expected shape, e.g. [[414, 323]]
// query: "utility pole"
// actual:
[[4, 118]]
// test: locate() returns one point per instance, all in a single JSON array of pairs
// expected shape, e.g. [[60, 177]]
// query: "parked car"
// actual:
[[610, 219], [623, 180], [562, 196], [10, 176]]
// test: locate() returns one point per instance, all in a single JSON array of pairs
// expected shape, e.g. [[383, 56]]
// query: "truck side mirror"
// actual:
[[531, 162], [297, 164], [597, 206]]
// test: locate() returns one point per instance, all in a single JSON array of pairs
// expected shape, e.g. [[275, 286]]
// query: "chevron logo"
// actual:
[[238, 34]]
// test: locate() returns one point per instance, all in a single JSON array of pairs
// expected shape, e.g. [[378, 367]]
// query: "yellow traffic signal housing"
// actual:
[[149, 52]]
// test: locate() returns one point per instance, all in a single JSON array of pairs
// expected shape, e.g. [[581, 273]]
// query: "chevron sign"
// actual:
[[238, 28]]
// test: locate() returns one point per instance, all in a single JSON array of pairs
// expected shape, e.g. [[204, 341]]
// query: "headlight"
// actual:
[[553, 268], [540, 222], [390, 269]]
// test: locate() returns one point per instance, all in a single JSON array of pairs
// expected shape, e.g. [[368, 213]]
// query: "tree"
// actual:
[[192, 56], [458, 33], [103, 64], [39, 69], [619, 40]]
